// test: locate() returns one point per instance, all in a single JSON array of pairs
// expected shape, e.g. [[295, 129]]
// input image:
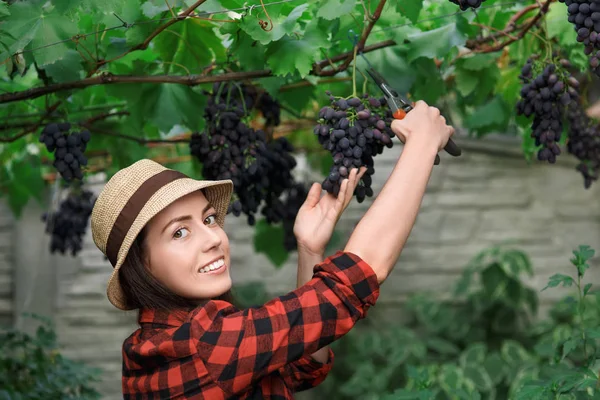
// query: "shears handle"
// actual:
[[451, 147]]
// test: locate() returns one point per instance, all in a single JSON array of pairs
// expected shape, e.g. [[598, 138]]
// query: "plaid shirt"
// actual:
[[219, 352]]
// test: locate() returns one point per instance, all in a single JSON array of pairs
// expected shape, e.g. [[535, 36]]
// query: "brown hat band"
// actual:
[[133, 207]]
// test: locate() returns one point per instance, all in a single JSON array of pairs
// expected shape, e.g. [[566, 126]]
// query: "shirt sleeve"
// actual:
[[306, 373], [241, 347]]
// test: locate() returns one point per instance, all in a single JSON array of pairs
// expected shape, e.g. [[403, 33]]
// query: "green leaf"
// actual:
[[442, 346], [592, 333], [268, 239], [293, 54], [473, 355], [513, 353], [167, 105], [249, 52], [492, 116], [67, 69], [283, 24], [435, 43], [466, 82], [570, 345], [587, 288], [558, 279], [191, 43], [558, 26], [480, 377], [495, 367], [25, 181], [4, 11], [333, 9], [152, 8], [37, 26], [451, 378], [411, 9], [478, 62], [532, 392]]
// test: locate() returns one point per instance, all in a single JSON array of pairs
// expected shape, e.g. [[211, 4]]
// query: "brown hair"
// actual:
[[142, 290]]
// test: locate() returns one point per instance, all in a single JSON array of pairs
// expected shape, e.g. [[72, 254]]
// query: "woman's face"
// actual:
[[187, 251]]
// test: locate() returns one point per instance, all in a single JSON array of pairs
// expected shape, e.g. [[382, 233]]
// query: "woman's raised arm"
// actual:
[[382, 232]]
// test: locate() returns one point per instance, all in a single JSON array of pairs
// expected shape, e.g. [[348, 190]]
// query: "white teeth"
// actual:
[[211, 267]]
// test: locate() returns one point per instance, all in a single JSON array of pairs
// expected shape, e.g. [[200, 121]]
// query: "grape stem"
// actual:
[[354, 72]]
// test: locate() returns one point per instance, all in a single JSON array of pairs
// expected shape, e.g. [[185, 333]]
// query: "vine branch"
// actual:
[[189, 80], [144, 45], [478, 45], [360, 45]]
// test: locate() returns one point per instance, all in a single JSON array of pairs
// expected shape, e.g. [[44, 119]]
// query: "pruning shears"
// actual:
[[400, 106]]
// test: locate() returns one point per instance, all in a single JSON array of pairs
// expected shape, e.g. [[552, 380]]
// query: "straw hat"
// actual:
[[131, 198]]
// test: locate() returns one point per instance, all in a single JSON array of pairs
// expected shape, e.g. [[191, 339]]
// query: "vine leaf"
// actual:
[[69, 68], [291, 54], [333, 9], [435, 43], [4, 10], [411, 9], [34, 25], [169, 105], [283, 24], [191, 43], [268, 239]]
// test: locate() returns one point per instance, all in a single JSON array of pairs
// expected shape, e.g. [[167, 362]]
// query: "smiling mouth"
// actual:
[[214, 266]]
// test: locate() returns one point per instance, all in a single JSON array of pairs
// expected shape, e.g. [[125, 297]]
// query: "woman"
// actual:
[[163, 234]]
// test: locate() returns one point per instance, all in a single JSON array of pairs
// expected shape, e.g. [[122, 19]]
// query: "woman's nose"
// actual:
[[210, 239]]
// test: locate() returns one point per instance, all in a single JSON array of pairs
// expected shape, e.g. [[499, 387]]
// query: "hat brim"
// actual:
[[218, 194]]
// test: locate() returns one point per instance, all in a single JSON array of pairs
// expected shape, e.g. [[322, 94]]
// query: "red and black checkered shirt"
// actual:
[[219, 352]]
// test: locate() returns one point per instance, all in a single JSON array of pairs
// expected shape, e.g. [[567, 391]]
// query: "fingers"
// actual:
[[334, 213], [314, 195]]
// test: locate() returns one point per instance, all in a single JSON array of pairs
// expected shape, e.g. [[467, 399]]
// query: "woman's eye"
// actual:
[[211, 219], [179, 233]]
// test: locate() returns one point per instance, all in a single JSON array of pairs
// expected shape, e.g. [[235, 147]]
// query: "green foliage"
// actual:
[[31, 367], [484, 343], [287, 47]]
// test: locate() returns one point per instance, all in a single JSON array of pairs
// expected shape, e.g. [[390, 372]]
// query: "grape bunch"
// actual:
[[585, 17], [68, 225], [269, 108], [230, 149], [547, 90], [584, 143], [464, 4], [354, 130], [68, 148]]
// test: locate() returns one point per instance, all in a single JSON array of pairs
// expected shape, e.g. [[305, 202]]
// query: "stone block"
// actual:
[[490, 199], [6, 285], [458, 226]]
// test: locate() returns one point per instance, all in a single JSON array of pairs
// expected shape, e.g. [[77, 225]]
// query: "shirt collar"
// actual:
[[171, 317]]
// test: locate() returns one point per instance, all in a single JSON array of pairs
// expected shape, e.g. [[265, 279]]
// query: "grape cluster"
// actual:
[[68, 225], [269, 108], [230, 149], [585, 16], [546, 91], [584, 143], [464, 4], [354, 130], [68, 148]]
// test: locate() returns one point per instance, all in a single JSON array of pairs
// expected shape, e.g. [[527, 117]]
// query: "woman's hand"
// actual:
[[424, 123], [318, 215]]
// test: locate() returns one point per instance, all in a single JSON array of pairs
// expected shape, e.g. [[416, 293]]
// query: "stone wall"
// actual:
[[487, 196], [6, 266]]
